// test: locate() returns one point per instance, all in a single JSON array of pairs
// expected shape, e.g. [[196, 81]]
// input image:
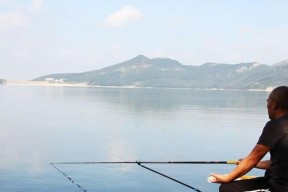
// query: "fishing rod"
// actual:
[[171, 178], [140, 164], [151, 162]]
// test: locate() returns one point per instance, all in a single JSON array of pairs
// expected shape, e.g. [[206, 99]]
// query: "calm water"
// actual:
[[40, 125]]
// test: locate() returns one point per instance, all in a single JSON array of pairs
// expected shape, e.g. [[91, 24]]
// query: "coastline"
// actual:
[[86, 85], [44, 83]]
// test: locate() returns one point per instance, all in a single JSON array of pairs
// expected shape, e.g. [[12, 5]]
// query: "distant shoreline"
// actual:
[[53, 84], [44, 83]]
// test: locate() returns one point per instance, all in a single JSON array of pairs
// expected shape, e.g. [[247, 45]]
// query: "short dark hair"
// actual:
[[280, 94]]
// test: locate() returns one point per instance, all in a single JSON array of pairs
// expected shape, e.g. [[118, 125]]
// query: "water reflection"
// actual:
[[165, 99]]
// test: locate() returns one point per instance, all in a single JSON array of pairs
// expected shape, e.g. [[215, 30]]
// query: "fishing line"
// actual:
[[69, 178]]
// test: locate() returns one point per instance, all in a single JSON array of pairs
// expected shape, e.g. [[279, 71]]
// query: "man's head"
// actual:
[[277, 102]]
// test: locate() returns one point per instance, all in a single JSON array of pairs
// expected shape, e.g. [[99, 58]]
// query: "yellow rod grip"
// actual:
[[232, 161], [247, 177]]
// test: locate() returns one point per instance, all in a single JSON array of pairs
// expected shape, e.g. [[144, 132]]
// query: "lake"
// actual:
[[40, 125]]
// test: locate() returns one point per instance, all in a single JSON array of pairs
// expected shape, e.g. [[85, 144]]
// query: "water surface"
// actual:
[[40, 125]]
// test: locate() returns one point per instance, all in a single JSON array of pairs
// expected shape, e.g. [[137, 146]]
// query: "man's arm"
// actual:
[[244, 166], [263, 164]]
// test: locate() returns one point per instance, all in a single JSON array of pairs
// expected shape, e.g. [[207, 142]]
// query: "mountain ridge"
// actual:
[[141, 71]]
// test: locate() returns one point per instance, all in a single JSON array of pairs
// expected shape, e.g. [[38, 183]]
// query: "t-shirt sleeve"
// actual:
[[270, 135]]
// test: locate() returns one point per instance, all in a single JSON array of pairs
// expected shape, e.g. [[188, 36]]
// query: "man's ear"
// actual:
[[275, 105]]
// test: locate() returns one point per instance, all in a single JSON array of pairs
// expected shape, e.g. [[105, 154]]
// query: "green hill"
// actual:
[[163, 72]]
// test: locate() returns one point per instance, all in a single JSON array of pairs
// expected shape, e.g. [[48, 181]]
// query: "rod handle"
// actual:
[[232, 161]]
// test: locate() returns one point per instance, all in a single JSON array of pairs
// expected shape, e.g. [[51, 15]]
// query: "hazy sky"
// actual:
[[39, 37]]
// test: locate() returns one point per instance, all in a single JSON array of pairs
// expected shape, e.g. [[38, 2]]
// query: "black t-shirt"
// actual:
[[275, 136]]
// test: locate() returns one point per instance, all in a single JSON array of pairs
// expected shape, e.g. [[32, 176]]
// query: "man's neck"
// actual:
[[280, 114]]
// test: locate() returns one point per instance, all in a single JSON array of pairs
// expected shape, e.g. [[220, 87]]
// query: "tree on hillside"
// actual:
[[3, 81]]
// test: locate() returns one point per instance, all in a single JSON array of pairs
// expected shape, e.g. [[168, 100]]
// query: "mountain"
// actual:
[[164, 72]]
